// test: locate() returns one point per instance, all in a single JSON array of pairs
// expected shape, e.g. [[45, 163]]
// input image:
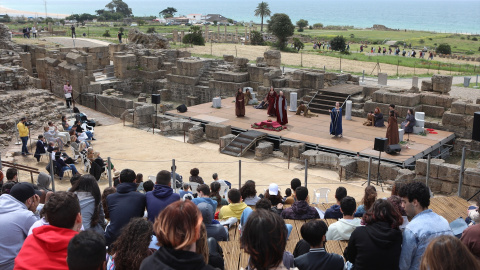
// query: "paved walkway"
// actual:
[[77, 42]]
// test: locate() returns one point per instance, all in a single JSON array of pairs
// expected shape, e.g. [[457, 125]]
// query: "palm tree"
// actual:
[[263, 11]]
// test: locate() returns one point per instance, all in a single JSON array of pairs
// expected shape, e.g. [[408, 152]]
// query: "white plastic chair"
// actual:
[[224, 190], [152, 178], [321, 193], [194, 186]]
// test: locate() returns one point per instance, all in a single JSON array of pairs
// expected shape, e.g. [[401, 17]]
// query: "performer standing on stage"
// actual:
[[409, 122], [240, 103], [336, 121], [392, 129], [281, 109], [271, 98]]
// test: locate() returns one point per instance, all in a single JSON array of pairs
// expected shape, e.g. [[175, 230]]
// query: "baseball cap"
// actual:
[[23, 190], [273, 189]]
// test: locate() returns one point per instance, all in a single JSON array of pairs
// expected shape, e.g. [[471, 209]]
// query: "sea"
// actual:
[[451, 16]]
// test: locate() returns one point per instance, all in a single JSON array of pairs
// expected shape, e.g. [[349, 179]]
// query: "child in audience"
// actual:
[[148, 186], [288, 193], [186, 190], [86, 250], [236, 206]]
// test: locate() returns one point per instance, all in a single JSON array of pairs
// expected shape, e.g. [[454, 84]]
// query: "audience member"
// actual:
[[52, 136], [294, 184], [334, 211], [446, 252], [46, 247], [300, 208], [7, 187], [273, 194], [161, 196], [62, 166], [215, 193], [43, 182], [65, 125], [471, 236], [185, 190], [17, 215], [12, 175], [220, 181], [236, 206], [139, 182], [107, 191], [178, 177], [249, 193], [288, 193], [396, 187], [194, 176], [148, 186], [396, 201], [368, 199], [204, 196], [262, 204], [64, 136], [123, 205], [40, 148], [423, 227], [343, 228], [86, 251], [313, 232], [210, 250], [216, 231]]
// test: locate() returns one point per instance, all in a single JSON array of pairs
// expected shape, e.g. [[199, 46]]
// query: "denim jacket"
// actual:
[[417, 235]]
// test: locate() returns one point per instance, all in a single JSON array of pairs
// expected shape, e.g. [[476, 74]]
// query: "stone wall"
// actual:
[[110, 105]]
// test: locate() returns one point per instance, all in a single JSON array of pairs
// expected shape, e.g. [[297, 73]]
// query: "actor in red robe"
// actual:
[[271, 98], [281, 109], [240, 103]]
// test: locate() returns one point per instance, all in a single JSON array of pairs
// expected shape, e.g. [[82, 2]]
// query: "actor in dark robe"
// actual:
[[336, 120], [271, 98], [240, 103], [409, 122], [392, 129], [379, 122], [281, 109]]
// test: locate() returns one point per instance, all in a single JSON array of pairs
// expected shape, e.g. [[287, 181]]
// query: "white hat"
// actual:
[[273, 189]]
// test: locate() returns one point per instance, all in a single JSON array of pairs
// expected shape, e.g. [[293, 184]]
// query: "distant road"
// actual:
[[77, 42]]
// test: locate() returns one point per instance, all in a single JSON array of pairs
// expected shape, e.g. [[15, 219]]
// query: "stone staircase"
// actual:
[[325, 100], [243, 142], [206, 73]]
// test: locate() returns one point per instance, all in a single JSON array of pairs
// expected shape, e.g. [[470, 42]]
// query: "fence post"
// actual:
[[0, 161], [340, 63], [369, 171], [428, 170], [51, 172], [174, 176], [109, 168], [239, 173], [306, 171], [462, 168]]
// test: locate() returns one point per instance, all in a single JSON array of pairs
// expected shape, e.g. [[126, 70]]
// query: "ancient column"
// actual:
[[236, 35], [206, 33], [182, 34], [225, 38], [175, 35], [218, 33]]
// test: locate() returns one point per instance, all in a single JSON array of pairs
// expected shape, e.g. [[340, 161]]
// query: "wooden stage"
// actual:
[[314, 131]]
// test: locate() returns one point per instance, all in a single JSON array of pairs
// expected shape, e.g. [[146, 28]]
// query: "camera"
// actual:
[[27, 124]]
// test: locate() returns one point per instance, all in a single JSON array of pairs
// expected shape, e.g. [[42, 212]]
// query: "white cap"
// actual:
[[273, 189]]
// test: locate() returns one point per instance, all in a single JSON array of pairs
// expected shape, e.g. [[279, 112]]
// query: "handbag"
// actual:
[[68, 95]]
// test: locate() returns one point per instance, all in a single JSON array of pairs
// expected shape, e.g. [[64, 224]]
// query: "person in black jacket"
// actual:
[[378, 244], [40, 149]]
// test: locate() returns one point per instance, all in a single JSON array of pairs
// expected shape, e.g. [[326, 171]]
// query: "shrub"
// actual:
[[345, 52], [475, 39], [141, 22], [121, 29], [151, 30], [298, 44], [310, 27], [444, 48], [257, 38], [318, 25], [195, 37], [352, 35], [106, 34], [421, 41], [469, 53], [430, 38], [462, 37], [300, 30], [338, 43], [302, 24]]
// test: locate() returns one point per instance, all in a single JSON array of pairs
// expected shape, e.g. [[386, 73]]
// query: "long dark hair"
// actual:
[[369, 197], [107, 191], [88, 183], [383, 210], [131, 247], [275, 199], [248, 189], [215, 191]]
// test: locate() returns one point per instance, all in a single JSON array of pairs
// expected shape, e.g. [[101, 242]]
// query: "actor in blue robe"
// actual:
[[336, 120]]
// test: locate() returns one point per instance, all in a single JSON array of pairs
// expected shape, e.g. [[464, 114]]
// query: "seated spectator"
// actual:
[[46, 247], [78, 129], [148, 186], [368, 199], [273, 194], [178, 177], [471, 237], [12, 175], [300, 209], [177, 229], [288, 193], [249, 193], [43, 182], [210, 250], [313, 232], [139, 182], [221, 181], [101, 162], [396, 188], [194, 176], [185, 190], [262, 204], [65, 136], [294, 184], [107, 191], [123, 205], [377, 245], [161, 196], [204, 196], [18, 205], [62, 166], [397, 204], [65, 124], [423, 227], [40, 147], [447, 252], [52, 136], [334, 211], [86, 251], [236, 206], [131, 247], [216, 231], [343, 228], [215, 193]]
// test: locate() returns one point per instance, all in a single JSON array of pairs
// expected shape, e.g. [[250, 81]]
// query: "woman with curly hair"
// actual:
[[215, 193], [368, 199], [194, 176], [131, 247], [273, 194], [249, 193]]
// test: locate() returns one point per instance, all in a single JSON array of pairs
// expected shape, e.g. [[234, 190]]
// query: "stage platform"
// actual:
[[314, 131]]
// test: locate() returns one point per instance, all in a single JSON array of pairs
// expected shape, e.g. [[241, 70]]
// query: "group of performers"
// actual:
[[276, 104]]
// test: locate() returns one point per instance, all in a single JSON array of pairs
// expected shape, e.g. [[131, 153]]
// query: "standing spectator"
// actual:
[[17, 215], [68, 91], [23, 132], [161, 196], [119, 35], [194, 176], [86, 250], [34, 32], [447, 252], [334, 211], [369, 198], [423, 227], [236, 206], [249, 193], [343, 228], [74, 35], [40, 147], [123, 205], [204, 196], [300, 209]]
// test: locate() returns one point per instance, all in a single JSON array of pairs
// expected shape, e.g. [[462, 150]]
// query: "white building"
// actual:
[[195, 18]]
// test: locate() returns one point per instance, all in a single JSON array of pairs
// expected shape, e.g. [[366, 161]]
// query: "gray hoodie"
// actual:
[[15, 221], [87, 207], [43, 181]]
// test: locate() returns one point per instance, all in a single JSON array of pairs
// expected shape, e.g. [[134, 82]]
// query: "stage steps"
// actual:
[[243, 142], [325, 100]]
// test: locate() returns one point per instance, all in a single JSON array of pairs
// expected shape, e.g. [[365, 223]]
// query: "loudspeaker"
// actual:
[[380, 144], [393, 148], [182, 108], [155, 99], [476, 127]]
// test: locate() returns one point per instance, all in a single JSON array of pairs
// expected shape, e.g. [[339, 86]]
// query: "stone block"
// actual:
[[242, 62], [214, 131], [449, 172], [471, 177], [346, 167], [442, 83], [368, 91], [470, 109], [263, 150], [415, 81], [295, 149], [449, 188], [427, 85], [228, 58], [327, 160], [457, 120], [166, 126], [459, 107], [226, 140], [405, 175], [382, 78], [195, 134], [433, 111], [310, 156]]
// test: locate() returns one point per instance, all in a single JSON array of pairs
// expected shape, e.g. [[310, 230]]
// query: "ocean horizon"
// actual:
[[449, 16]]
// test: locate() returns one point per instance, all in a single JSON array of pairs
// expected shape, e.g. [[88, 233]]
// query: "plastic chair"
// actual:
[[152, 178], [194, 186], [224, 189], [321, 193]]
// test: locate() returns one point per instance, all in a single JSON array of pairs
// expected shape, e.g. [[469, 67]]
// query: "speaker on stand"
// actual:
[[476, 127], [380, 145], [156, 101]]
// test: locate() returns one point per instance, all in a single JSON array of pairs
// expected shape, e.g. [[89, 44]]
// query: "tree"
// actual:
[[444, 48], [194, 37], [256, 38], [302, 24], [318, 25], [168, 12], [118, 6], [298, 44], [281, 26], [338, 43], [262, 11]]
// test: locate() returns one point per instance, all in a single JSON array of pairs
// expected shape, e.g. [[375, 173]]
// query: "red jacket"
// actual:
[[45, 249]]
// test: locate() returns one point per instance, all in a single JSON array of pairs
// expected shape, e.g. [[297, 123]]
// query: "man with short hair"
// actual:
[[343, 228], [334, 211], [300, 209], [294, 184], [424, 224], [313, 232], [204, 196], [46, 247], [221, 181], [23, 132], [86, 251], [236, 206], [123, 205], [161, 196], [12, 175], [17, 215]]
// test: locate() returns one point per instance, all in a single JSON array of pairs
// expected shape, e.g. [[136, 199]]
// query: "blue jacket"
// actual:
[[123, 205], [159, 198], [334, 212], [206, 200]]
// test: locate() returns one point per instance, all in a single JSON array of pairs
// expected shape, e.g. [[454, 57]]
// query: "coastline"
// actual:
[[17, 13]]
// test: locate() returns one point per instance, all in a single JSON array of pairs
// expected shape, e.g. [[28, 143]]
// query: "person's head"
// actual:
[[281, 93], [397, 204], [55, 149], [383, 210], [410, 111], [337, 104], [263, 203], [271, 89], [12, 174], [215, 191], [288, 192], [215, 176], [248, 189], [164, 178], [301, 193], [295, 183], [447, 252], [391, 107], [23, 119], [131, 247], [64, 118], [415, 198], [107, 191], [273, 194], [43, 180], [396, 187], [348, 206], [40, 137], [377, 110], [88, 183], [76, 110], [86, 251], [127, 176], [74, 179], [234, 195], [194, 172], [46, 129], [369, 197], [240, 90], [264, 239], [148, 185], [340, 193], [58, 155], [25, 193], [203, 190], [139, 178], [68, 82], [314, 233], [207, 212], [50, 123], [178, 225], [7, 187], [63, 210], [186, 186]]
